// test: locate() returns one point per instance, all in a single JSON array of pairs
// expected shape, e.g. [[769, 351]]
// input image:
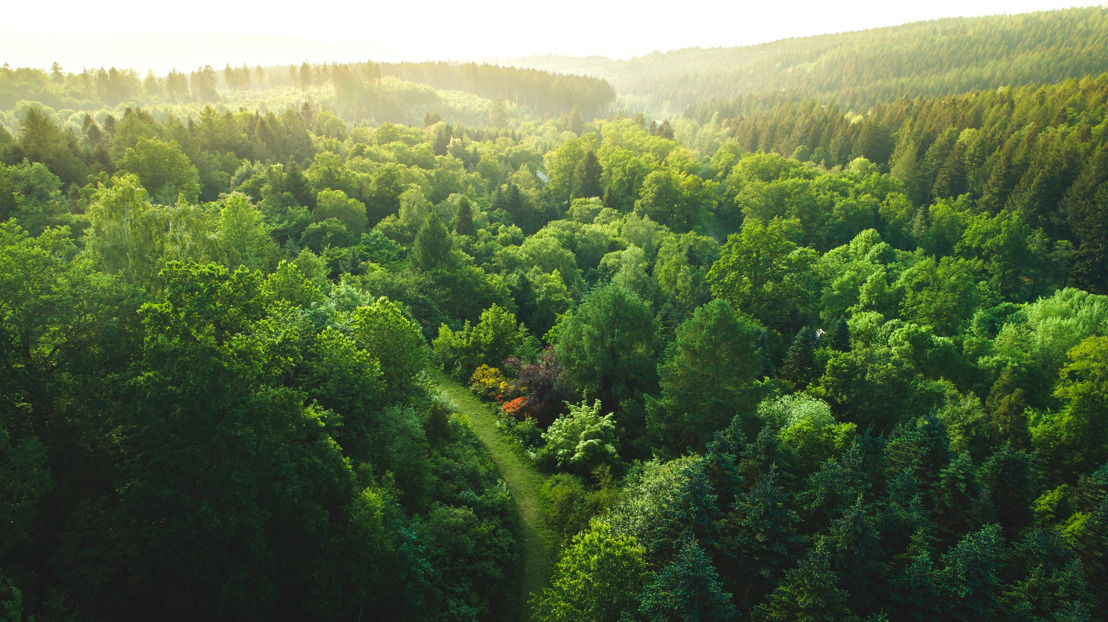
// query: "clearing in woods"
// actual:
[[524, 482]]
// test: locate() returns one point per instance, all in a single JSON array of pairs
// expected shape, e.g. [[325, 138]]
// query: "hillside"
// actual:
[[864, 67]]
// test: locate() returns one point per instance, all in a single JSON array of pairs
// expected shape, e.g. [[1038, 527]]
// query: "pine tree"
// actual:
[[857, 557], [590, 176], [970, 579], [688, 588], [1013, 479], [959, 503], [809, 592], [758, 539], [432, 245], [464, 223], [800, 368]]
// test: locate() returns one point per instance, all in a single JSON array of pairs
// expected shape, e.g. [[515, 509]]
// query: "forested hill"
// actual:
[[547, 92], [367, 93], [864, 67]]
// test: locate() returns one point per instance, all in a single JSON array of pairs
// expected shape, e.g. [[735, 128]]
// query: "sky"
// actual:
[[160, 36]]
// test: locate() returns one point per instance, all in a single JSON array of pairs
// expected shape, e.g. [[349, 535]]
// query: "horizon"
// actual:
[[271, 41]]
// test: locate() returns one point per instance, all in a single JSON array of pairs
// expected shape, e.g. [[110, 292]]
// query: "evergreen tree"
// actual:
[[707, 376], [970, 580], [808, 592], [432, 246], [858, 559], [590, 176], [688, 588], [758, 539], [463, 225], [1013, 479], [800, 368], [958, 499]]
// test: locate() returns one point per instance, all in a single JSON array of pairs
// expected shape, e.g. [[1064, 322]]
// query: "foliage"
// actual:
[[581, 440], [599, 578]]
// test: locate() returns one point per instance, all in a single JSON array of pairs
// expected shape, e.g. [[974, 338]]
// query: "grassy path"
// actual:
[[524, 482]]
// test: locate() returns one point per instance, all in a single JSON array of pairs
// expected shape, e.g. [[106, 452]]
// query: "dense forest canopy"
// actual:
[[786, 357]]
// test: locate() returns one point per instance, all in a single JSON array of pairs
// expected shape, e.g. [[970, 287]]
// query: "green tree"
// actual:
[[759, 539], [384, 331], [607, 344], [799, 368], [708, 375], [590, 176], [335, 204], [41, 140], [1013, 479], [463, 225], [564, 165], [163, 169], [808, 592], [243, 239], [1075, 439], [805, 426], [970, 579], [494, 338], [581, 440], [761, 273], [432, 246], [688, 588], [598, 578]]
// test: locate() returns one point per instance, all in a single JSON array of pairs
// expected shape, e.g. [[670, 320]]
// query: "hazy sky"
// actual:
[[142, 34]]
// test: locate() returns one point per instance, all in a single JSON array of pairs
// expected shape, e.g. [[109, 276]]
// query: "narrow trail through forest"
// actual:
[[536, 546]]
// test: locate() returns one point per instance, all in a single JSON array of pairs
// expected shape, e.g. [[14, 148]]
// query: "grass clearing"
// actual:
[[524, 482]]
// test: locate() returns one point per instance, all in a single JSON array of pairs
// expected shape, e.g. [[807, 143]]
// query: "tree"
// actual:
[[202, 83], [708, 375], [590, 176], [607, 344], [858, 559], [1075, 439], [688, 588], [799, 368], [758, 539], [40, 140], [760, 273], [233, 482], [493, 339], [598, 578], [674, 199], [564, 164], [970, 578], [431, 249], [806, 427], [384, 331], [463, 225], [163, 169], [959, 502], [808, 592], [1013, 480], [581, 440], [336, 204], [243, 238]]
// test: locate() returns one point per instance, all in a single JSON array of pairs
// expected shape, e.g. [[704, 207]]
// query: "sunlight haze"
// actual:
[[135, 35]]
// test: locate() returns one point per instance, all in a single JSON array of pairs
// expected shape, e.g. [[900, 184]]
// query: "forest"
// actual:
[[863, 68], [815, 354]]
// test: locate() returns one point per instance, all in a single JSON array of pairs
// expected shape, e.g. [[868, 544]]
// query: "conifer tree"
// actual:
[[800, 369], [688, 588]]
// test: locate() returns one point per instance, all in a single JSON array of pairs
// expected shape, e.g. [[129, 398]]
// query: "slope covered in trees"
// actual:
[[357, 92], [858, 69]]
